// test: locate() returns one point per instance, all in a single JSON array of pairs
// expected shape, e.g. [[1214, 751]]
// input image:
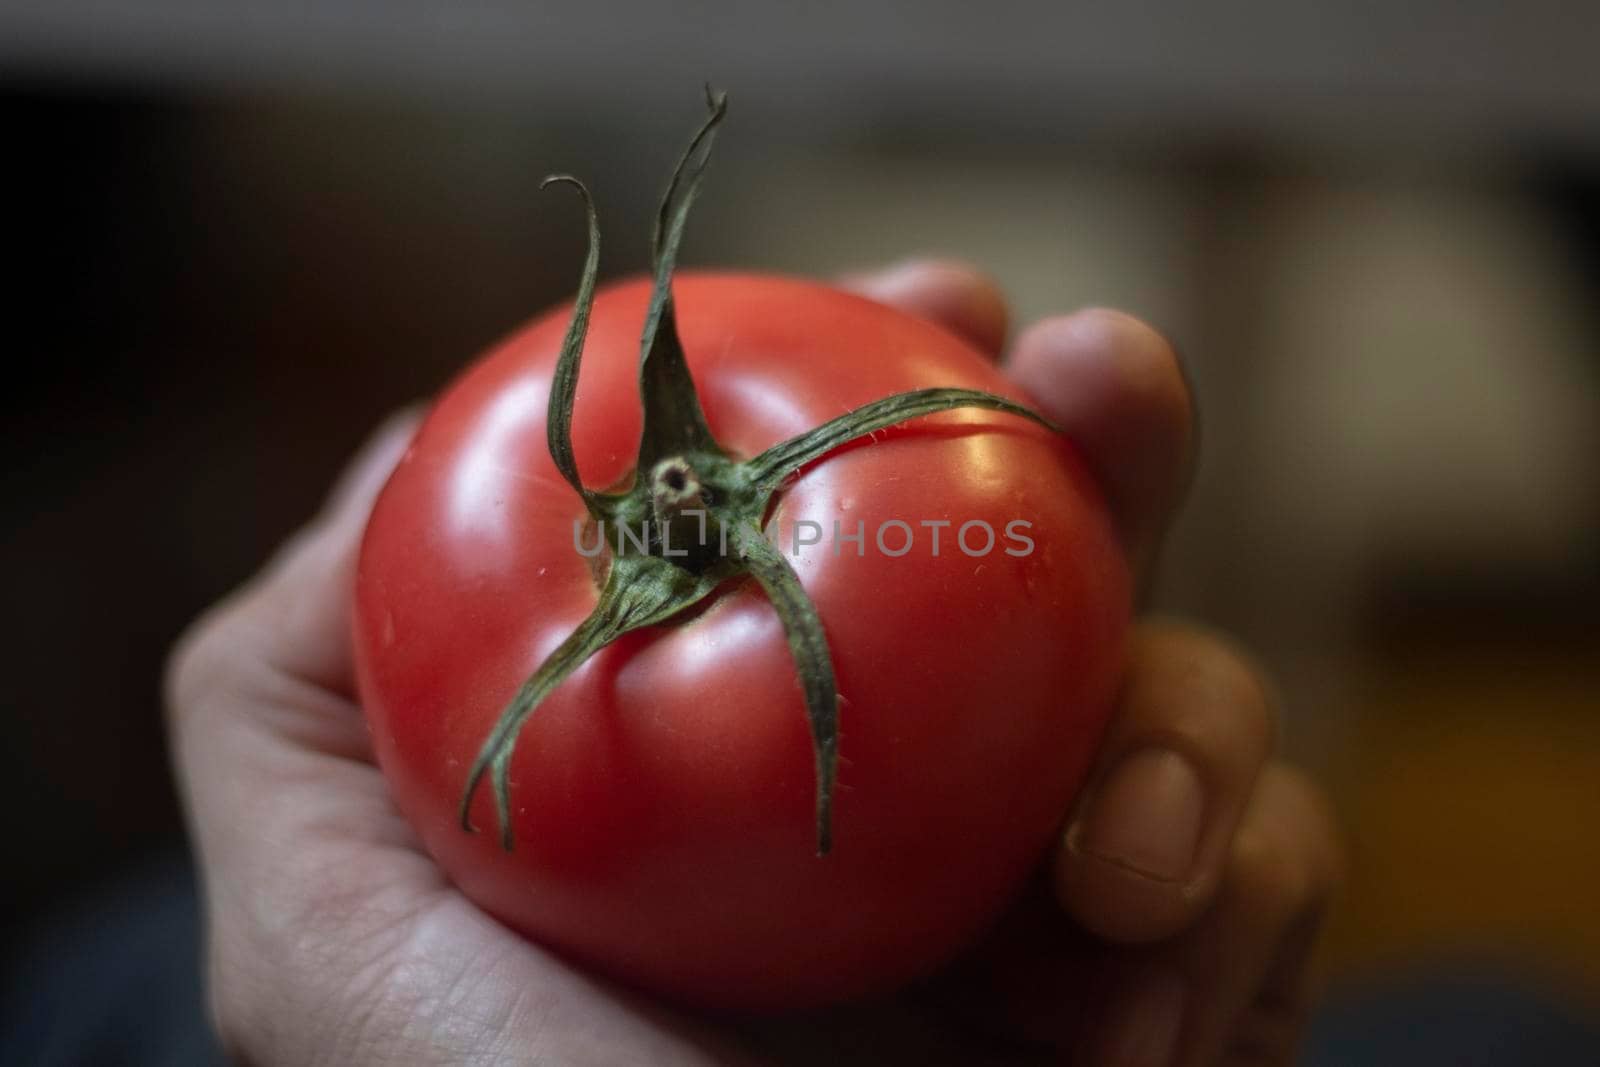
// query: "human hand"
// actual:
[[333, 938]]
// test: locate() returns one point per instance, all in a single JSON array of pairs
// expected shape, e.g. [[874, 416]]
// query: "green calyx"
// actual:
[[694, 516]]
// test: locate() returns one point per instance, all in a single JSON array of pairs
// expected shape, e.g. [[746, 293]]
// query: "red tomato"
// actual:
[[662, 797]]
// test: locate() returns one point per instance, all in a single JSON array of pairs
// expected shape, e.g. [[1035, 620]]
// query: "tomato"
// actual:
[[661, 799]]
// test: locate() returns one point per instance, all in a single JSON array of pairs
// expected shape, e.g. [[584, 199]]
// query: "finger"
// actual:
[[289, 627], [953, 294], [1147, 846], [267, 750], [304, 592], [271, 760], [1235, 989], [1032, 982], [350, 498], [1117, 388], [331, 935]]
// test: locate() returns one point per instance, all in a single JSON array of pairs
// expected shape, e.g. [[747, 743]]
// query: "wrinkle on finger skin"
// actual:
[[460, 990], [229, 677]]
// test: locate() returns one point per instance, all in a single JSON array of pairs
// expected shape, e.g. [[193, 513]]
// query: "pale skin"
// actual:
[[1171, 923]]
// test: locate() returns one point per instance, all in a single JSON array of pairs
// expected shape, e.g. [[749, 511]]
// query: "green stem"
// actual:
[[768, 470], [564, 382], [813, 664], [687, 487], [638, 593], [716, 106]]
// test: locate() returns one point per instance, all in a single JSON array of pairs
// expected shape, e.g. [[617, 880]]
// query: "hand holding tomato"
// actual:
[[333, 938]]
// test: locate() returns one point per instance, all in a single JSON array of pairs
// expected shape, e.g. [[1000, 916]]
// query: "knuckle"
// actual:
[[206, 657], [202, 662], [192, 662]]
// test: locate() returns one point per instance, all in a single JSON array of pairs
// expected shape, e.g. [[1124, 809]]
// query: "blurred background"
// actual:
[[242, 234]]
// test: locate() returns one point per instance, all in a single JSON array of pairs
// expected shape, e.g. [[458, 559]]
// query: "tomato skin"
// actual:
[[662, 797]]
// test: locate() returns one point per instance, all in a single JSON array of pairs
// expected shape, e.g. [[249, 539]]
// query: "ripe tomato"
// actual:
[[662, 797]]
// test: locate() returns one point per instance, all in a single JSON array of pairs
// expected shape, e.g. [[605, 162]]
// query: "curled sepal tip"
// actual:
[[639, 591], [564, 382], [673, 420]]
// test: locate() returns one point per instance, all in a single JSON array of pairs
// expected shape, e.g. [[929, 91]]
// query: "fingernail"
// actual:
[[1147, 816], [1141, 1028]]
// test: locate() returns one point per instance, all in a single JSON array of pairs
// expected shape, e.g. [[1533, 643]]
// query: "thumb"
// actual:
[[304, 592]]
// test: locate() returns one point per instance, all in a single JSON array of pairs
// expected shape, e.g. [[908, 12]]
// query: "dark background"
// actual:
[[239, 236]]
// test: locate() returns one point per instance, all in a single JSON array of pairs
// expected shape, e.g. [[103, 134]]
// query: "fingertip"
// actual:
[[1303, 811], [351, 497], [1117, 387], [1239, 977], [365, 474], [949, 292], [1149, 840], [304, 590]]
